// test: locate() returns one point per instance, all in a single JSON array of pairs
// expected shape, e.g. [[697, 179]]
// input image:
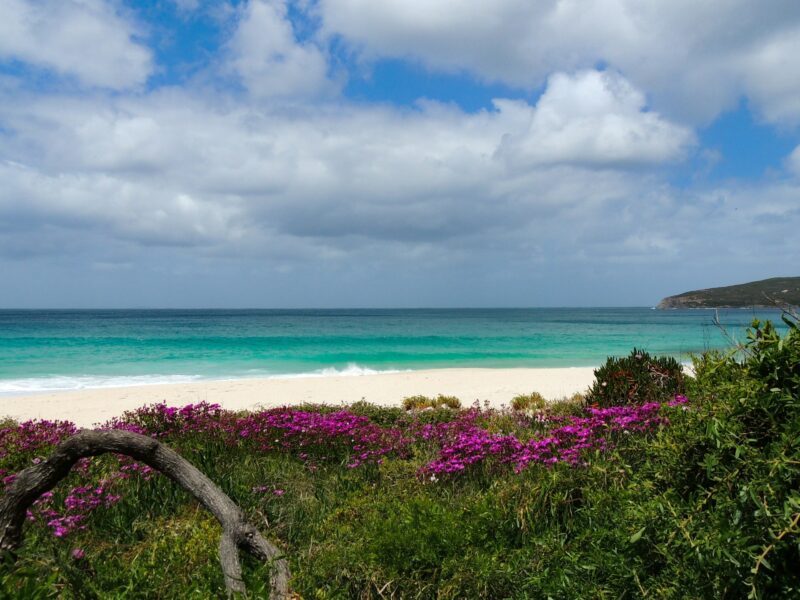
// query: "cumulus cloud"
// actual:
[[120, 208], [592, 117], [85, 39], [268, 58], [696, 58], [172, 167], [444, 34], [289, 182], [772, 75]]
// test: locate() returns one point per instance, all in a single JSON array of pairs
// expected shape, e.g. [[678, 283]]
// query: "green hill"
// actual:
[[778, 291]]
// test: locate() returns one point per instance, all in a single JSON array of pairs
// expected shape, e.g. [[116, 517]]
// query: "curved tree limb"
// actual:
[[237, 533]]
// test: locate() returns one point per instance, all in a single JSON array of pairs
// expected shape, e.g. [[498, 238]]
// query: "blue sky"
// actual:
[[270, 153]]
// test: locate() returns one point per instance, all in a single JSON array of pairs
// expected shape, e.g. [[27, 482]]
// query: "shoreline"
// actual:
[[495, 386]]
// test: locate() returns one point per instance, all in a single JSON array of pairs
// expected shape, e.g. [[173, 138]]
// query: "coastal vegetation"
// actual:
[[420, 402], [668, 487], [636, 378], [766, 293], [529, 402]]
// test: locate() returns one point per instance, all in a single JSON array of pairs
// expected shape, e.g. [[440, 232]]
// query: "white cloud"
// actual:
[[268, 58], [347, 189], [173, 167], [772, 74], [81, 38], [695, 58], [592, 117], [445, 34], [330, 191], [418, 202], [120, 208]]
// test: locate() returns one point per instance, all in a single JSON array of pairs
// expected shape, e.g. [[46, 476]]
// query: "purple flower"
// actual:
[[679, 400], [464, 443], [469, 440], [78, 553]]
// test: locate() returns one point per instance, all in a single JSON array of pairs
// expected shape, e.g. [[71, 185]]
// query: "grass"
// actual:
[[703, 505]]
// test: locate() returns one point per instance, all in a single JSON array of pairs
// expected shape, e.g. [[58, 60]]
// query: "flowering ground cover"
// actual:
[[696, 495], [338, 437]]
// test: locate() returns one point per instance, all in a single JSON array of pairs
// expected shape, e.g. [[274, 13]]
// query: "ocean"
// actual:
[[47, 350]]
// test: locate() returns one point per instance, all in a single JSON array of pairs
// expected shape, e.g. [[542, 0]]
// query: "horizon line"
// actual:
[[319, 307]]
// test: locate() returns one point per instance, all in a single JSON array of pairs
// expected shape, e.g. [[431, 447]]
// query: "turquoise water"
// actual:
[[65, 349]]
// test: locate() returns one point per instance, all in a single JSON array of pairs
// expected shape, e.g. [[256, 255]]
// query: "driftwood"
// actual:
[[237, 533]]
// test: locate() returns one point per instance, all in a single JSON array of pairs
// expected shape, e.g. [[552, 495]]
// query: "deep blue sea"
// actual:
[[43, 350]]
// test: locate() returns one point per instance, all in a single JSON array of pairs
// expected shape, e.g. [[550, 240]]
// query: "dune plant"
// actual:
[[448, 402], [421, 402], [417, 402], [528, 402]]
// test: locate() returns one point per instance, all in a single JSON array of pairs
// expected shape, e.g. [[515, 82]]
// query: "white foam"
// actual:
[[351, 370], [59, 383]]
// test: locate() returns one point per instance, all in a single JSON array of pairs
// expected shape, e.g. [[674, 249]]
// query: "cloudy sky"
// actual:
[[356, 153]]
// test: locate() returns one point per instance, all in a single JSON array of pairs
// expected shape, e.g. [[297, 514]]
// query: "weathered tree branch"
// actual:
[[237, 533]]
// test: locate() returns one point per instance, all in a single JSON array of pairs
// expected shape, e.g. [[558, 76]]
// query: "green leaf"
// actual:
[[637, 536], [765, 563]]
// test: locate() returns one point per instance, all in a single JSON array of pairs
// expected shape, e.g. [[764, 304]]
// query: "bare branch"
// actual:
[[238, 534]]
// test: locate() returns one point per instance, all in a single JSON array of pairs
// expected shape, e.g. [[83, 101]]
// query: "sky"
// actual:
[[401, 153]]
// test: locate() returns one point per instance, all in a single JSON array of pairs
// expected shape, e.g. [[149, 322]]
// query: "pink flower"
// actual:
[[678, 401]]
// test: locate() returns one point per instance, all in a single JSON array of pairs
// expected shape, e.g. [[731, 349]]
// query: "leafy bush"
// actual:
[[636, 379], [528, 402], [774, 362], [743, 512]]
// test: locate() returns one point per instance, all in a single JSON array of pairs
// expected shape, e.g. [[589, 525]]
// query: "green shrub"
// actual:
[[528, 402], [774, 362], [636, 379]]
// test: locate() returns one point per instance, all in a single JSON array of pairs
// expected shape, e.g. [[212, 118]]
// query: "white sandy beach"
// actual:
[[495, 386]]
